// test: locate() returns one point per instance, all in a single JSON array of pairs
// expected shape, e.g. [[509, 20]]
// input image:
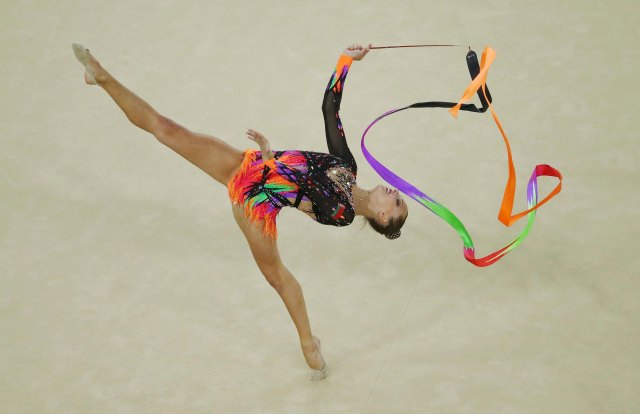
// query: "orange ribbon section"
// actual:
[[505, 215]]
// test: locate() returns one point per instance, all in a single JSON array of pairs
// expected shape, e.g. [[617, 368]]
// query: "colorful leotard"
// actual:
[[292, 177]]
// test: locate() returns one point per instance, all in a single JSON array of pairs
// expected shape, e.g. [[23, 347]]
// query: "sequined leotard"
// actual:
[[294, 178]]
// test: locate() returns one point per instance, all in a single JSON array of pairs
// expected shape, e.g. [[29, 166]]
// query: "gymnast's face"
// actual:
[[387, 203]]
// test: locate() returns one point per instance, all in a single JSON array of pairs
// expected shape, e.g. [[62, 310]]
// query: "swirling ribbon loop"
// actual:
[[479, 80]]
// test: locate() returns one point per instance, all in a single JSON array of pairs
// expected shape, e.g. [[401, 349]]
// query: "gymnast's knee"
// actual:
[[166, 129], [275, 275]]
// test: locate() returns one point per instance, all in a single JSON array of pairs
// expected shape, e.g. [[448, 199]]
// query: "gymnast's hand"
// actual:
[[263, 142], [357, 52]]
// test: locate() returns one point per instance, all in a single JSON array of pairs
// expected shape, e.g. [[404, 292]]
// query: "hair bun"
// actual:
[[394, 235]]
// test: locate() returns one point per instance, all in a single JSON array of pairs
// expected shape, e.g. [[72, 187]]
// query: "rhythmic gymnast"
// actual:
[[261, 182]]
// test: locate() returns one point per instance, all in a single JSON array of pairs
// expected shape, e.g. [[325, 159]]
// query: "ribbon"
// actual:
[[506, 208]]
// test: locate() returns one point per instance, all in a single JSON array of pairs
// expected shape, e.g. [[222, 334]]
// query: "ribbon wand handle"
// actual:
[[398, 46]]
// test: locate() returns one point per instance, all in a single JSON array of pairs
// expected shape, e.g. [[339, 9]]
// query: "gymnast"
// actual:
[[260, 183]]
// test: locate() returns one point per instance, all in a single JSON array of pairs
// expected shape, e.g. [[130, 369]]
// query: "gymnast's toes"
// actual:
[[94, 73]]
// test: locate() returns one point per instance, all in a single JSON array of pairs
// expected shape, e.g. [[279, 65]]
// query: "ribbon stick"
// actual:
[[506, 208], [394, 47]]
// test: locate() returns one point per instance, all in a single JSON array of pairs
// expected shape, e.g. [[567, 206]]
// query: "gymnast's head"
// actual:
[[388, 211]]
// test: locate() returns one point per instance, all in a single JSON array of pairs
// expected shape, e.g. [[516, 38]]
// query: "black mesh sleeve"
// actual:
[[336, 140]]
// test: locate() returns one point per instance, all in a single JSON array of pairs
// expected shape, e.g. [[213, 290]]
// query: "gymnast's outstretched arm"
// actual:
[[336, 140]]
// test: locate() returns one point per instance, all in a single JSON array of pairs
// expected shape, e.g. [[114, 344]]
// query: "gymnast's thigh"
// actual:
[[264, 250], [212, 155]]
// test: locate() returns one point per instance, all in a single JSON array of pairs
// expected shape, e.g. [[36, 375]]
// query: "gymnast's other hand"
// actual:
[[267, 154], [357, 52]]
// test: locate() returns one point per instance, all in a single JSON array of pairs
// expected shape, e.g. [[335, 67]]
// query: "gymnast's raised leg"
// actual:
[[221, 161], [212, 155]]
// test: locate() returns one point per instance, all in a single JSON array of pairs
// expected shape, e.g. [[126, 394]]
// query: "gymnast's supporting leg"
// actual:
[[220, 161], [265, 252], [210, 154]]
